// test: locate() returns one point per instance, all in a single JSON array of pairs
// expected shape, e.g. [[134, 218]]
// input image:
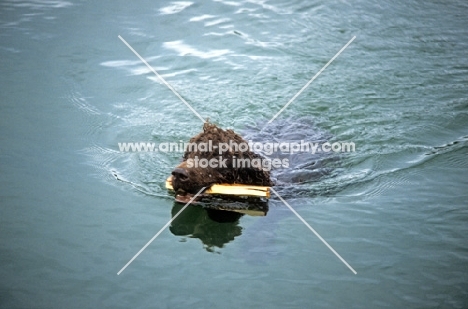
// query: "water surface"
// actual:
[[395, 209]]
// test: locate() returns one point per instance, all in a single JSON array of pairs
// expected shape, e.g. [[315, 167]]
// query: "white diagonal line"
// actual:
[[313, 231], [310, 81], [162, 79], [160, 231]]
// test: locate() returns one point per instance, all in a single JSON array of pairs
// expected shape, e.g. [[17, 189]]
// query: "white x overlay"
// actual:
[[271, 120], [162, 79], [310, 81], [161, 230], [313, 231]]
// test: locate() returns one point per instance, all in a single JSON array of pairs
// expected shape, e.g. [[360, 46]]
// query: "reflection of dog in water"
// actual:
[[213, 227]]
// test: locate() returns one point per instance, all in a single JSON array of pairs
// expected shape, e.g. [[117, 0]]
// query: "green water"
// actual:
[[395, 210]]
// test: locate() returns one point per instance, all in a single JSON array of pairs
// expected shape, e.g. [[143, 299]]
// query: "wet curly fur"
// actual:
[[192, 179]]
